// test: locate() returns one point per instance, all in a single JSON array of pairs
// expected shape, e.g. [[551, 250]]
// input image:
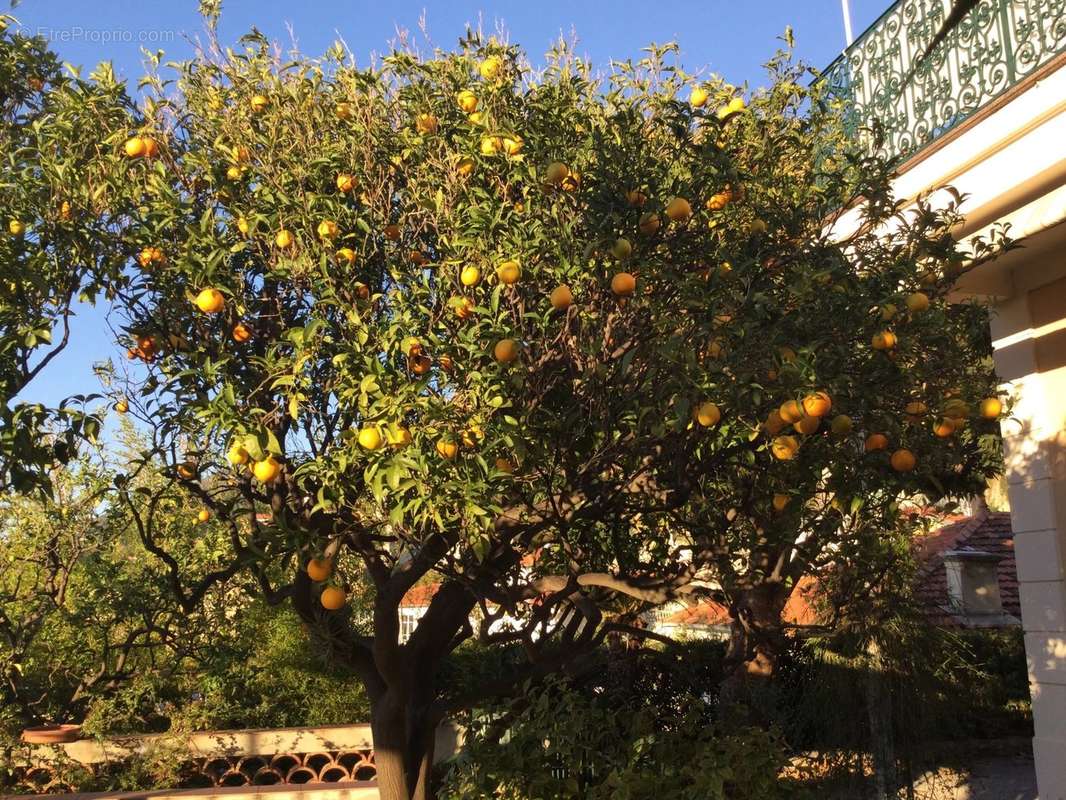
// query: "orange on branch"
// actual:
[[944, 428], [876, 441], [447, 449], [791, 411], [991, 408], [903, 460], [509, 272], [283, 239], [210, 301], [621, 249], [623, 284], [333, 598], [505, 351], [679, 210], [345, 182], [817, 404], [369, 437], [319, 569], [807, 425], [266, 470], [204, 515], [785, 448], [561, 297], [707, 414], [259, 103], [470, 276], [241, 332], [426, 123], [918, 301], [649, 223], [841, 425], [467, 101]]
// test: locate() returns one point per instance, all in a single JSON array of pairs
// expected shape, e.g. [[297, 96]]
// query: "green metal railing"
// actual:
[[896, 109]]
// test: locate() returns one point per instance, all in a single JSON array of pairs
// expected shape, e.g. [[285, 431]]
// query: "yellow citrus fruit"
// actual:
[[623, 284], [345, 182], [122, 407], [243, 226], [707, 414], [679, 210], [426, 123], [267, 469], [505, 351], [512, 145], [780, 501], [210, 301], [237, 455], [370, 437], [398, 436], [319, 569], [447, 449], [465, 166], [918, 301], [785, 448], [151, 147], [464, 308], [876, 441], [817, 404], [204, 515], [636, 198], [241, 153], [561, 297], [622, 249], [419, 364], [327, 229], [509, 272], [467, 101], [241, 332], [333, 598], [556, 173], [283, 238], [346, 254], [841, 425], [491, 145], [902, 460], [698, 97], [470, 276], [991, 408], [135, 147], [259, 103], [490, 67]]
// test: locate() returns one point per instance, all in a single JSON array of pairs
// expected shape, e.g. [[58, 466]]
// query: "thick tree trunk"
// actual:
[[404, 737], [879, 711], [753, 651]]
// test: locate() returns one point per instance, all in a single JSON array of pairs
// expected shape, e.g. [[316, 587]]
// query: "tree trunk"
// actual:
[[753, 650], [404, 738], [879, 712]]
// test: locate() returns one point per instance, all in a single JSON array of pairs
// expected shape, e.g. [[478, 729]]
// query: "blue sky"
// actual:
[[728, 37]]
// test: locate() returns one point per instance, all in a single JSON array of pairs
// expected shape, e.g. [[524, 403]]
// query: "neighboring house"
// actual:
[[967, 579]]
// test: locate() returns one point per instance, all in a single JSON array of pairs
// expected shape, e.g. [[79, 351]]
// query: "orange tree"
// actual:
[[57, 244], [567, 347]]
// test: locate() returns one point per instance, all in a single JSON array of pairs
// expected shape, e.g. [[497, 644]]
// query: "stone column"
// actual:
[[1029, 336]]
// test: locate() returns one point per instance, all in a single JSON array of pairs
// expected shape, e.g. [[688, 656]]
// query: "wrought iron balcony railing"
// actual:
[[896, 109]]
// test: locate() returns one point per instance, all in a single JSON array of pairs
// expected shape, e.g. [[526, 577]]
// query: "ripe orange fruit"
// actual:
[[240, 153], [512, 145], [241, 332], [785, 448], [918, 301], [370, 437], [707, 414], [679, 210], [888, 311], [150, 256], [561, 297], [774, 423], [876, 441], [187, 470], [649, 223], [505, 351], [267, 469], [426, 123], [791, 411], [345, 182], [780, 501], [210, 301], [333, 598], [400, 436], [915, 408], [623, 284], [841, 425], [467, 101], [556, 173], [465, 166], [621, 249], [419, 364], [491, 145], [509, 272], [807, 425], [991, 408], [903, 460], [147, 346], [636, 198], [319, 569], [817, 404], [470, 276], [327, 229], [392, 232], [346, 254], [787, 355], [464, 308], [122, 407], [283, 239], [698, 97], [447, 449], [944, 428], [204, 515], [885, 340], [259, 103]]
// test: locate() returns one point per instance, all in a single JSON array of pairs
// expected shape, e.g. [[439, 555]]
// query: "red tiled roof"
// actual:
[[987, 532], [418, 596]]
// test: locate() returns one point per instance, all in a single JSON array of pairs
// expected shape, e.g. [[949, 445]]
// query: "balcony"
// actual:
[[896, 109]]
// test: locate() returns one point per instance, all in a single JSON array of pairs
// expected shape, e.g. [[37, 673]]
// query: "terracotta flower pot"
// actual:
[[51, 734]]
